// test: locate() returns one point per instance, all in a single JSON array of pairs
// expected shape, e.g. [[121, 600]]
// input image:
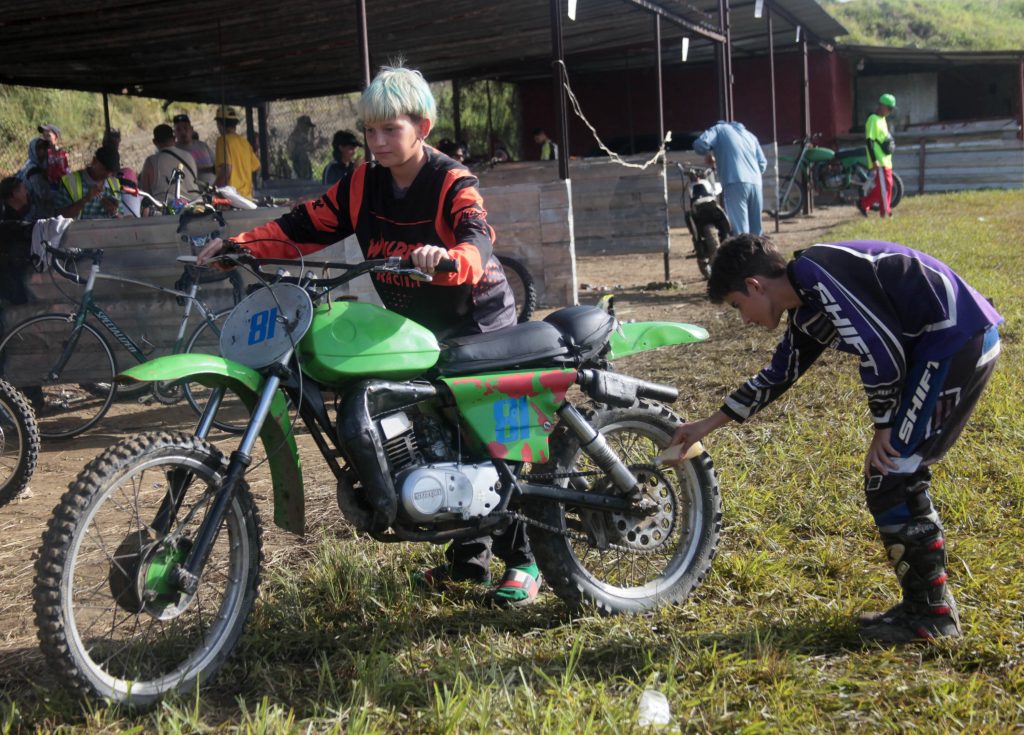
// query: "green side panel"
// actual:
[[351, 339], [512, 414], [815, 155], [643, 336], [854, 158], [277, 435]]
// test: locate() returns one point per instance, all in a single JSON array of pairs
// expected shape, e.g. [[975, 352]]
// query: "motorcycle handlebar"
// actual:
[[62, 255]]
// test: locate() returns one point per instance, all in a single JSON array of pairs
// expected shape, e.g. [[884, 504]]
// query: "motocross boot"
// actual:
[[917, 550]]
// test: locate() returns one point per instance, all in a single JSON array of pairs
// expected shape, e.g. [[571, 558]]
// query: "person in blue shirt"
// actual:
[[927, 344], [739, 162]]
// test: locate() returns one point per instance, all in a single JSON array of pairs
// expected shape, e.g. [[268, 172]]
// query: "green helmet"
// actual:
[[887, 99]]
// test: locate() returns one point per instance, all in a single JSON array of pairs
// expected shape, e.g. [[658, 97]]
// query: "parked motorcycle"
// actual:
[[846, 175], [150, 566], [705, 216]]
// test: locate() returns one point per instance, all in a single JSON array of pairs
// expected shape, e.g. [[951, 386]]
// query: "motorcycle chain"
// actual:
[[579, 535]]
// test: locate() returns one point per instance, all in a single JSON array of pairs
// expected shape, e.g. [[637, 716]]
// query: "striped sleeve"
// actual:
[[462, 225]]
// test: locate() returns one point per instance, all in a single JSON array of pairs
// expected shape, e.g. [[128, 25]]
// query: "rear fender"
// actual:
[[276, 435], [635, 337]]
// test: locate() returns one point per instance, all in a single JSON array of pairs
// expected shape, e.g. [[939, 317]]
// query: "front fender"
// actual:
[[276, 434], [634, 337]]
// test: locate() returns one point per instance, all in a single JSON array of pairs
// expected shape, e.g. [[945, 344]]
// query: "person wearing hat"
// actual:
[[879, 143], [343, 146], [156, 171], [201, 152], [235, 160], [34, 174], [93, 192], [57, 164], [300, 144]]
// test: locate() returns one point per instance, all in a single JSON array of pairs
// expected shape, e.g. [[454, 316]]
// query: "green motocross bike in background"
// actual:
[[150, 566]]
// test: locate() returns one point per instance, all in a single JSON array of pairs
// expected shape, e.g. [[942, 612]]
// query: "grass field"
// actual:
[[768, 644]]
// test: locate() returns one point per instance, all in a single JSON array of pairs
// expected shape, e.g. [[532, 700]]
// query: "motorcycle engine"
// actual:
[[833, 176], [431, 485]]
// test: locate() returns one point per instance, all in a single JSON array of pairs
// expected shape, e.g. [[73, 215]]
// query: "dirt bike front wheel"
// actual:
[[625, 563], [19, 442], [111, 621], [709, 235]]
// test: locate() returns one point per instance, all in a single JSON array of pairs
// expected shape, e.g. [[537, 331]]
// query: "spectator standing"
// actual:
[[880, 145], [15, 240], [548, 147], [300, 145], [234, 159], [343, 152], [57, 158], [739, 161], [156, 171], [201, 153], [92, 192], [34, 174]]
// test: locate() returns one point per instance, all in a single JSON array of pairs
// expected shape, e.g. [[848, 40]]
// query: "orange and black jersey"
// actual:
[[442, 207]]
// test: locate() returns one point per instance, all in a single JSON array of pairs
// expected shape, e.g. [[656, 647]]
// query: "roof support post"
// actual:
[[250, 135], [661, 133], [727, 32], [364, 57], [261, 114], [560, 77], [106, 113], [775, 122], [457, 109], [805, 105]]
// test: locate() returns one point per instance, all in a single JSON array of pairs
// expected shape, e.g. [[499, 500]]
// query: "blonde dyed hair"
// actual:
[[396, 91]]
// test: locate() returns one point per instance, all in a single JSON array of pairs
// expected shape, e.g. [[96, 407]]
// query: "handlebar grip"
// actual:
[[447, 265]]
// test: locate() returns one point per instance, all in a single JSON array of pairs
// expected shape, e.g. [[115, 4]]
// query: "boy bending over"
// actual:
[[927, 344]]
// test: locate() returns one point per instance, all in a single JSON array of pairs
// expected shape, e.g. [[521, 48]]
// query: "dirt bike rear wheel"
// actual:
[[110, 621], [520, 280], [793, 203], [710, 237], [649, 561], [897, 193], [19, 442]]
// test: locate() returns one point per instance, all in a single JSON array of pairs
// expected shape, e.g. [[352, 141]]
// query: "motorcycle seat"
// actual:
[[585, 328], [530, 344]]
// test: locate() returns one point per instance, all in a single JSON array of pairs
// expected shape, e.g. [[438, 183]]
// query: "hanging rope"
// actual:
[[612, 155]]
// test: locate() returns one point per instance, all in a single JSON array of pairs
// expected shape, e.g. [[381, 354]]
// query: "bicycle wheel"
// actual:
[[110, 619], [233, 415], [19, 442], [793, 200], [520, 280], [69, 400]]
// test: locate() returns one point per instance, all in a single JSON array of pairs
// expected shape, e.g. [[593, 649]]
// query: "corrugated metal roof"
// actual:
[[887, 56], [212, 50]]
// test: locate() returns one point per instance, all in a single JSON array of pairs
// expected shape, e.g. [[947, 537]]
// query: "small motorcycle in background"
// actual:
[[705, 216]]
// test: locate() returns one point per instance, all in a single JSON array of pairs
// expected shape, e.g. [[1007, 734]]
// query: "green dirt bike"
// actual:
[[150, 565]]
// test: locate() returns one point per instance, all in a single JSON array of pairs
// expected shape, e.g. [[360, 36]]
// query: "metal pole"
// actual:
[[560, 77], [805, 102], [720, 73], [1020, 96], [106, 113], [775, 122], [730, 107], [261, 113], [364, 55], [661, 136]]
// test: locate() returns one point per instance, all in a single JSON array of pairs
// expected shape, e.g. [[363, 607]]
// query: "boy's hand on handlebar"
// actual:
[[426, 258], [208, 255]]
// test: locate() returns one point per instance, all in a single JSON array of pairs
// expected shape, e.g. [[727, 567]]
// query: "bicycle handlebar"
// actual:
[[61, 255]]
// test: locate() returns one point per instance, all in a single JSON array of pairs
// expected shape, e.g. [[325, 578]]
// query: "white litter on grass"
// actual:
[[653, 710]]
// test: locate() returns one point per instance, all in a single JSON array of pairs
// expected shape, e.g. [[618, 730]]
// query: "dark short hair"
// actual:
[[740, 258], [109, 159], [181, 117], [8, 187], [163, 133], [344, 137]]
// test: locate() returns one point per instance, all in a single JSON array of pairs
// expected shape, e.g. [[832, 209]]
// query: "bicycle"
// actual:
[[19, 442], [76, 362], [520, 280]]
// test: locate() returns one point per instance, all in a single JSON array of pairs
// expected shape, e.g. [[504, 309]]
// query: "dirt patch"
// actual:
[[641, 293]]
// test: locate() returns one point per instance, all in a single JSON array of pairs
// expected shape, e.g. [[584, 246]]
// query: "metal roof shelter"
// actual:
[[215, 51]]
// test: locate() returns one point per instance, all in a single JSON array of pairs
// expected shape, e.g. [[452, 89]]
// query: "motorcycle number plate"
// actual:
[[266, 325]]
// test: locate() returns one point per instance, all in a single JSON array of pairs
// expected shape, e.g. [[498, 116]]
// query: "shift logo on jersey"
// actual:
[[847, 332], [917, 401]]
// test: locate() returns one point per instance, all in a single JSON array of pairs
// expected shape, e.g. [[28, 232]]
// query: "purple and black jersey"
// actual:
[[888, 304]]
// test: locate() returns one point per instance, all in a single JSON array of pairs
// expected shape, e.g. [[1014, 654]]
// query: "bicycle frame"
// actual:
[[88, 306], [798, 166]]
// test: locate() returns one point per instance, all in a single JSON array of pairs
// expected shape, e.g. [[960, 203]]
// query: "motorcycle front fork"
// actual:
[[596, 447]]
